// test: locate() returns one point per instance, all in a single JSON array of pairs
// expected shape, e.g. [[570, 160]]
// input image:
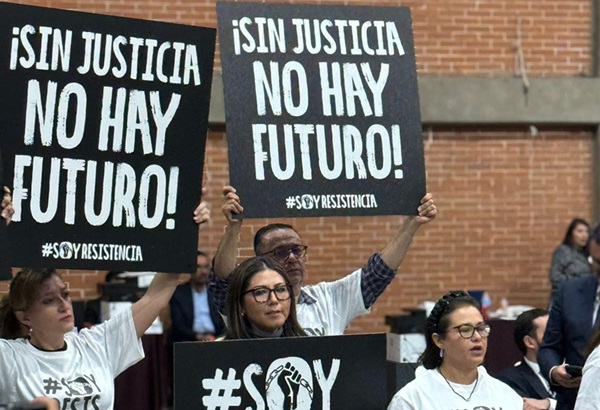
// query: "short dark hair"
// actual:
[[260, 234], [438, 322], [524, 326]]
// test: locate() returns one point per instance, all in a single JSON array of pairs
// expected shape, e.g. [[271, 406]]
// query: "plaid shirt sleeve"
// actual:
[[217, 290], [375, 277]]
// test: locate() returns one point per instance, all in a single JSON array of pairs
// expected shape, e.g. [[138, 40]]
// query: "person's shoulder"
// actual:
[[496, 382], [594, 358], [415, 388], [563, 249], [576, 285], [422, 376], [355, 275], [13, 344], [184, 287], [509, 373], [582, 282]]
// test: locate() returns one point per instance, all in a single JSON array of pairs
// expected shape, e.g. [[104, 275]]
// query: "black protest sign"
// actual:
[[330, 372], [103, 125], [322, 109]]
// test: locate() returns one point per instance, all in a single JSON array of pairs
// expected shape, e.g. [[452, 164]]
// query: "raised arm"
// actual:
[[227, 252], [395, 251], [202, 213], [381, 268], [154, 300]]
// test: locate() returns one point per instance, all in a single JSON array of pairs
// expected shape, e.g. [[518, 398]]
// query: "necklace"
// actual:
[[455, 392]]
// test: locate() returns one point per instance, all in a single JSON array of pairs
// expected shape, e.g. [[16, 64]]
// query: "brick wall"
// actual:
[[505, 195]]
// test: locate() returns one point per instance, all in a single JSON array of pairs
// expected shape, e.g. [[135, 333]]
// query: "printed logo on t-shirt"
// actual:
[[81, 392], [317, 331]]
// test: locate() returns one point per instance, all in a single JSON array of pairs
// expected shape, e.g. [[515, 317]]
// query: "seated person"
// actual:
[[193, 318], [526, 378], [456, 338], [260, 302]]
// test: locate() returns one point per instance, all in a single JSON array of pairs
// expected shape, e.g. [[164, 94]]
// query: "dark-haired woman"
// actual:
[[40, 355], [456, 337], [570, 259], [260, 302]]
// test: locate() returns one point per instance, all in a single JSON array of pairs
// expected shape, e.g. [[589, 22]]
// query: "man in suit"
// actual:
[[192, 317], [572, 319], [525, 378]]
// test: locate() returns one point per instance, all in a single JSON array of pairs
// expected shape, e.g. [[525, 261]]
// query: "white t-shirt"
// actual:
[[588, 397], [337, 304], [430, 391], [80, 377]]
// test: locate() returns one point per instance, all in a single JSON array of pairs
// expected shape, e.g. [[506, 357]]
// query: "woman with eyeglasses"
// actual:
[[456, 338], [260, 303]]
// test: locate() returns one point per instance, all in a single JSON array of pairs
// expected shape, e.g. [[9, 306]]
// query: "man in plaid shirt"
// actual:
[[328, 307]]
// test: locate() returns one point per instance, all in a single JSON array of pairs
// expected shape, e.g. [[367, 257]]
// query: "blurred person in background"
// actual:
[[570, 259], [193, 318], [525, 377], [573, 318]]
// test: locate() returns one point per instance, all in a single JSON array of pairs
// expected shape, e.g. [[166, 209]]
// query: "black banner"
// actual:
[[103, 124], [329, 372], [322, 109]]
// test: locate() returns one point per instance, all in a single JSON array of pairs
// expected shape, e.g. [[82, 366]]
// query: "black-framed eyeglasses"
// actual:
[[282, 253], [263, 294], [467, 331]]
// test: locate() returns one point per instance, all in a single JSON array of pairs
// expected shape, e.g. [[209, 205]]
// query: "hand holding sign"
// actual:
[[231, 205], [7, 206], [427, 210], [202, 213]]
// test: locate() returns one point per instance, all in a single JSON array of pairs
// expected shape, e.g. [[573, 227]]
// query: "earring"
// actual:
[[441, 353]]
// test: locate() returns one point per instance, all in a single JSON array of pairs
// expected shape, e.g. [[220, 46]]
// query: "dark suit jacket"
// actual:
[[182, 315], [568, 330], [524, 381]]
